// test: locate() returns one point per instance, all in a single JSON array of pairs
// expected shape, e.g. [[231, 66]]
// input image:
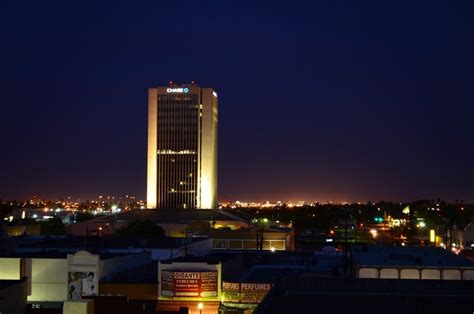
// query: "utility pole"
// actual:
[[345, 244], [259, 233]]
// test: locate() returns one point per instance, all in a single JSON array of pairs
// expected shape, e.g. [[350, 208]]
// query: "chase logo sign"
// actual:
[[177, 90]]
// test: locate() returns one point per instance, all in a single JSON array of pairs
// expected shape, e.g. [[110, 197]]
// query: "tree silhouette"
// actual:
[[143, 228], [53, 226]]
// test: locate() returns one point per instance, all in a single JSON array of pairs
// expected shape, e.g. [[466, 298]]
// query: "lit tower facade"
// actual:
[[182, 147]]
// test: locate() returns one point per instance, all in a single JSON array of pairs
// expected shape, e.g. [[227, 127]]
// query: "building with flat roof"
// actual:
[[54, 276], [398, 262], [182, 147], [246, 239], [175, 223], [159, 248]]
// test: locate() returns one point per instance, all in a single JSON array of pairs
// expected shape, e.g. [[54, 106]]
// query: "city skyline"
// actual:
[[212, 157], [326, 101]]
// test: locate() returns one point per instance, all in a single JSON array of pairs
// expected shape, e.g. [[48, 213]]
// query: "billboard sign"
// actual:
[[198, 284], [240, 292], [81, 284]]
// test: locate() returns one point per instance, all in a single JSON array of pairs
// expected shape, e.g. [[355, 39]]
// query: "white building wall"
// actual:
[[368, 273], [389, 273], [409, 273], [10, 268], [468, 275], [431, 274], [78, 307], [451, 274], [48, 278]]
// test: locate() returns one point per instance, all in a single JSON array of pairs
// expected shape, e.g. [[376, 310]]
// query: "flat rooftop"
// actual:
[[54, 254], [213, 258], [373, 255], [290, 294], [101, 243], [175, 215]]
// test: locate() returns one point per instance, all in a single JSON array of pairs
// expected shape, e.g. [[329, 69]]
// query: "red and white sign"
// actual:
[[189, 284]]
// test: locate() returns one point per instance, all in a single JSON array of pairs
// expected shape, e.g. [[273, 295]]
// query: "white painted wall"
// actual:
[[368, 273], [451, 274], [10, 268], [389, 273], [409, 273], [433, 274], [48, 278], [468, 275]]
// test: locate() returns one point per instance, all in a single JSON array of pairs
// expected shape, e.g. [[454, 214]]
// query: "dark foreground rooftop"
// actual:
[[337, 295]]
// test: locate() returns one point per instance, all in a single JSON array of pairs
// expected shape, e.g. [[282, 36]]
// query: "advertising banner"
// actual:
[[231, 292], [82, 284], [189, 284], [240, 292]]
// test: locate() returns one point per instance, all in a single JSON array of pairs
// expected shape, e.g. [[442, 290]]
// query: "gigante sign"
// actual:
[[199, 284]]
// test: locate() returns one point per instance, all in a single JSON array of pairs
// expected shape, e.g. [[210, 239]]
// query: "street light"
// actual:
[[200, 307]]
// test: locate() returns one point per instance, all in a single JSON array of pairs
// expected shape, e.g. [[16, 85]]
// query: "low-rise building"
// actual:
[[54, 277], [175, 223], [246, 239], [398, 262], [160, 248]]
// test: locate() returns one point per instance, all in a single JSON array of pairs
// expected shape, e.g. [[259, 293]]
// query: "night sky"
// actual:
[[318, 100]]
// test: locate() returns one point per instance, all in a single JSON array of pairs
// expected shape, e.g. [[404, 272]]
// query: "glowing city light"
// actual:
[[432, 236], [374, 233]]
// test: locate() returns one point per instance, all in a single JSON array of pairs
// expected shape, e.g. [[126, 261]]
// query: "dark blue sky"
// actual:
[[319, 100]]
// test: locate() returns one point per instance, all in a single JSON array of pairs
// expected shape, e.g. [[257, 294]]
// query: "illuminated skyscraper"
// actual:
[[182, 147]]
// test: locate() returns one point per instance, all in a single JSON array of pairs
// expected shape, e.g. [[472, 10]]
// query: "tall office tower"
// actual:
[[182, 147]]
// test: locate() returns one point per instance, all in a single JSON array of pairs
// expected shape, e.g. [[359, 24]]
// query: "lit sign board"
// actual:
[[177, 90], [82, 284], [240, 292], [189, 284]]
